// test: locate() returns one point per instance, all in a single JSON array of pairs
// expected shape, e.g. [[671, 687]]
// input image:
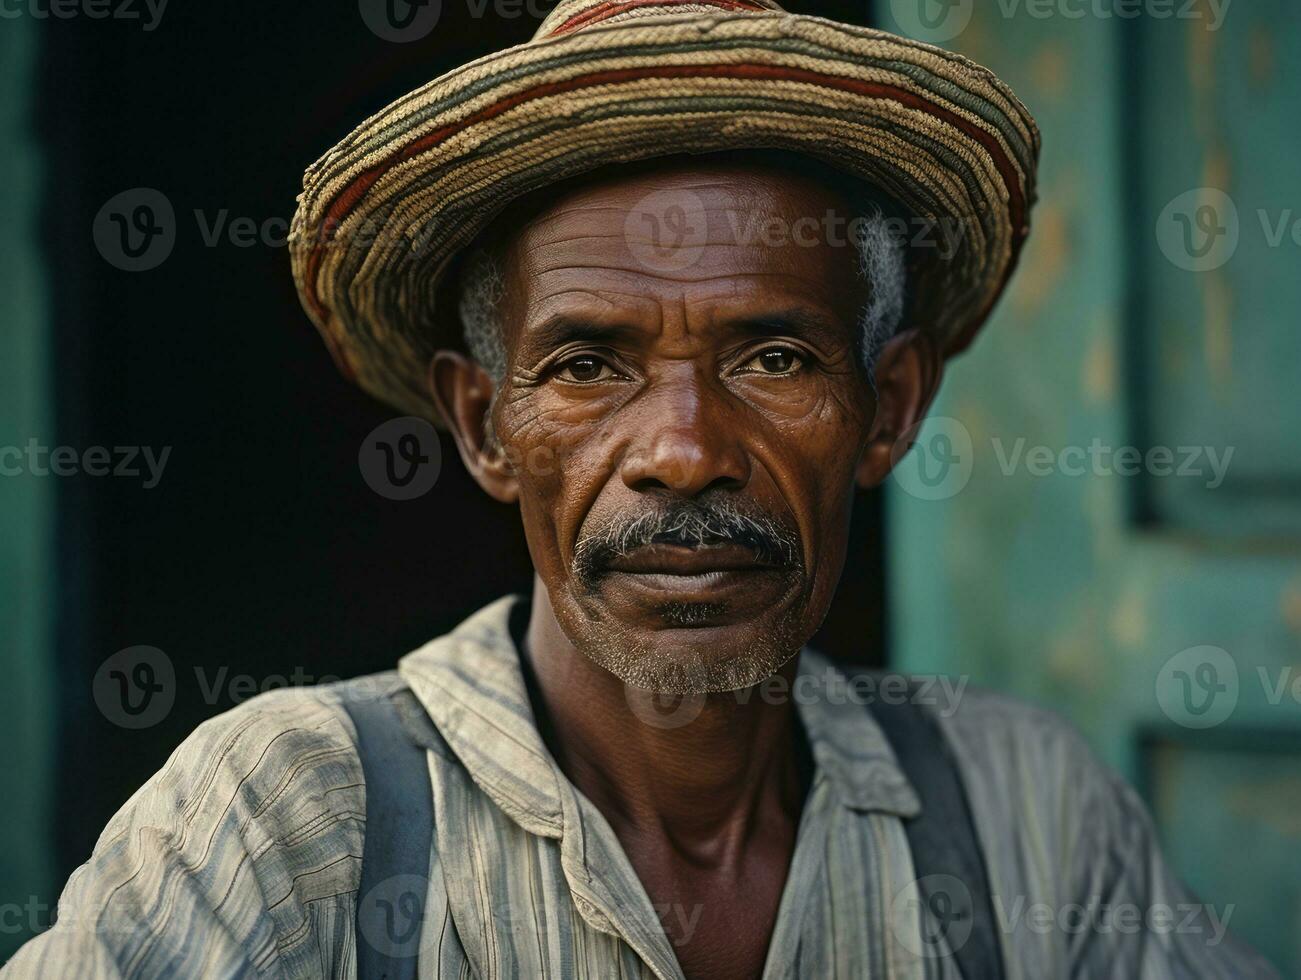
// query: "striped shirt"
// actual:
[[242, 856]]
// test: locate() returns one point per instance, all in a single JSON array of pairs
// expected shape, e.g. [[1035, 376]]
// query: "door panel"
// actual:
[[1160, 611]]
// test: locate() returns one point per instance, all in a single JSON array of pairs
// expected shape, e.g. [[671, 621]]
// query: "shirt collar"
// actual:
[[847, 743], [470, 683]]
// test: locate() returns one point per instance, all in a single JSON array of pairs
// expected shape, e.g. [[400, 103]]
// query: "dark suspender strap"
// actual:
[[399, 828], [947, 858]]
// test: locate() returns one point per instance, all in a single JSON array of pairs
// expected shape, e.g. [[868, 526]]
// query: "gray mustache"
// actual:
[[692, 524]]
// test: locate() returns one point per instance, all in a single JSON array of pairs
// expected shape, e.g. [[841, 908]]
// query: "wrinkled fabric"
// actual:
[[242, 856]]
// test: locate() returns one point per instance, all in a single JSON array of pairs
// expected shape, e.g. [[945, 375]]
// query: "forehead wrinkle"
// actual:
[[721, 276], [555, 228], [570, 239], [709, 241], [623, 301], [563, 304]]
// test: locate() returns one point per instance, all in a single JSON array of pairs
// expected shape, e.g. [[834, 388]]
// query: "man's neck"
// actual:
[[701, 788]]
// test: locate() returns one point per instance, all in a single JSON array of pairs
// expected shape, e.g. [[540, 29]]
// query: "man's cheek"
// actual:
[[534, 444], [546, 474], [536, 464], [544, 521], [822, 416], [789, 404], [539, 470]]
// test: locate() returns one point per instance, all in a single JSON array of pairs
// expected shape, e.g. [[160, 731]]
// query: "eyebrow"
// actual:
[[797, 321], [557, 331]]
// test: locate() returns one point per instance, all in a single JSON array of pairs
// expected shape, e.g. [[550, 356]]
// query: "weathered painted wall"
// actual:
[[26, 509], [1098, 593]]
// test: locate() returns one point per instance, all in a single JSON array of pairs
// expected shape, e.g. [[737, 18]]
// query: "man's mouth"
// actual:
[[673, 559], [693, 562], [690, 574]]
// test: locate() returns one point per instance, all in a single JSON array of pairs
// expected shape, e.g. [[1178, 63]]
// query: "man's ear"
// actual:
[[462, 392], [908, 374]]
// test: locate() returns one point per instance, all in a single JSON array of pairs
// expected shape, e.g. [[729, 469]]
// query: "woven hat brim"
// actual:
[[383, 213]]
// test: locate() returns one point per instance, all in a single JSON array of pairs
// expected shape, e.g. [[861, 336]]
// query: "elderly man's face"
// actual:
[[683, 417]]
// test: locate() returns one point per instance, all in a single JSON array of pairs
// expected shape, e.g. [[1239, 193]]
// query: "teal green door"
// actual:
[[26, 510], [1122, 538]]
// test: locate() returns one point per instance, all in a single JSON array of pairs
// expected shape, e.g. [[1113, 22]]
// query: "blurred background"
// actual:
[[1103, 515]]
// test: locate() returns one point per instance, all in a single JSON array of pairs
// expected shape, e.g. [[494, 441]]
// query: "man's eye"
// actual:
[[584, 368], [775, 360]]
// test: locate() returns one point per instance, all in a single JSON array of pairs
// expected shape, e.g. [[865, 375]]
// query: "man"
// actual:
[[669, 237]]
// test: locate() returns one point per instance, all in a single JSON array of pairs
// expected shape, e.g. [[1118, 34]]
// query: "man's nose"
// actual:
[[686, 443]]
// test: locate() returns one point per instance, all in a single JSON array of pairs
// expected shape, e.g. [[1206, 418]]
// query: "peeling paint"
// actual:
[[1217, 336], [1129, 619], [1050, 71], [1045, 260], [1098, 381], [1290, 605], [1202, 43], [1275, 803], [1262, 61]]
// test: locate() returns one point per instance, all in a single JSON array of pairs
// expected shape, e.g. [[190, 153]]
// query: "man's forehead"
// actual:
[[698, 233], [664, 205]]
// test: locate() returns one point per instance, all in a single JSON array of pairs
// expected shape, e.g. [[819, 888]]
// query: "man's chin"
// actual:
[[677, 647], [688, 669]]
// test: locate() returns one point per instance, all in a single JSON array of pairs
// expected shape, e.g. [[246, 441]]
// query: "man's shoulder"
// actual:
[[1024, 764], [1004, 720], [1009, 751], [276, 756], [249, 837], [299, 715], [987, 722], [1007, 736], [316, 712]]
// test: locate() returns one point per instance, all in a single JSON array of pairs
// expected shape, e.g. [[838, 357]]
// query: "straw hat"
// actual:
[[603, 82]]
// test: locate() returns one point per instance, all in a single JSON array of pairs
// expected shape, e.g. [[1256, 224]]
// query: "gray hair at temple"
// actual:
[[881, 261]]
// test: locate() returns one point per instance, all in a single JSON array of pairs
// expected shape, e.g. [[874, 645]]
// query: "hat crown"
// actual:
[[570, 16], [605, 83]]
